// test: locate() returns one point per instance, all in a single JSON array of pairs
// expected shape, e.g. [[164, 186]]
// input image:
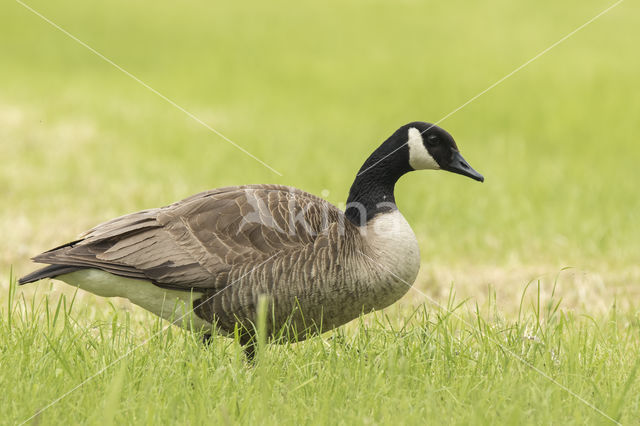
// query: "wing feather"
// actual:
[[197, 242]]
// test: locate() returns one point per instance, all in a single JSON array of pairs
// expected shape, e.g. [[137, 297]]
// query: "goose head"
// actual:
[[414, 146], [431, 147]]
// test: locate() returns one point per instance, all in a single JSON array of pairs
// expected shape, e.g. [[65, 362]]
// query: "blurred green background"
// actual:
[[312, 89]]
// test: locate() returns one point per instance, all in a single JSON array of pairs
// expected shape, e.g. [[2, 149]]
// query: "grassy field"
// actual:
[[311, 89]]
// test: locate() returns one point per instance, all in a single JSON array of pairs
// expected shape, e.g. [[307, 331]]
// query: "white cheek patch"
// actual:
[[419, 157]]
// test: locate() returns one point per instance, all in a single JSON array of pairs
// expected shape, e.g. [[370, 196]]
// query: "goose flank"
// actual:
[[218, 253]]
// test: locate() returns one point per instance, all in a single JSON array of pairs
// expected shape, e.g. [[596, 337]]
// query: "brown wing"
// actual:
[[195, 242]]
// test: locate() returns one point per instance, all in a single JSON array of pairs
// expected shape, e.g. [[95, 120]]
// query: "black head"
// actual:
[[414, 146], [431, 147]]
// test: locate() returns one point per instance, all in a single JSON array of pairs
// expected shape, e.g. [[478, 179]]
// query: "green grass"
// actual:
[[454, 363], [311, 89]]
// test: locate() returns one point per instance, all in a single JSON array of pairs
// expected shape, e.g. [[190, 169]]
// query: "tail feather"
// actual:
[[50, 271]]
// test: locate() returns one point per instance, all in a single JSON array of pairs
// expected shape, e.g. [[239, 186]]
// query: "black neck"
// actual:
[[372, 190]]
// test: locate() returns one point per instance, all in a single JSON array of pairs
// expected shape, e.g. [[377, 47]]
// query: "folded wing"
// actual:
[[196, 242]]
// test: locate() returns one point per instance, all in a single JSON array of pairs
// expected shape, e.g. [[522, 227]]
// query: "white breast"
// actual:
[[395, 249], [172, 305]]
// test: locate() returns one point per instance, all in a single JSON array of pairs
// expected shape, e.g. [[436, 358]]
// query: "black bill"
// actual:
[[459, 165]]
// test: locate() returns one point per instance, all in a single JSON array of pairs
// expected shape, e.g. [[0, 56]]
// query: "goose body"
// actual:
[[209, 259]]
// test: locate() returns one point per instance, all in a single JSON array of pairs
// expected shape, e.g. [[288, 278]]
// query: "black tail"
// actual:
[[50, 271]]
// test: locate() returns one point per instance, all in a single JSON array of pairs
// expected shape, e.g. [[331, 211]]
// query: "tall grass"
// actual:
[[460, 363]]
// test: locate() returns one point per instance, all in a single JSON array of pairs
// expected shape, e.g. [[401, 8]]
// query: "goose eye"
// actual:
[[433, 140]]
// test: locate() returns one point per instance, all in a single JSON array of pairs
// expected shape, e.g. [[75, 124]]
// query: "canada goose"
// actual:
[[220, 251]]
